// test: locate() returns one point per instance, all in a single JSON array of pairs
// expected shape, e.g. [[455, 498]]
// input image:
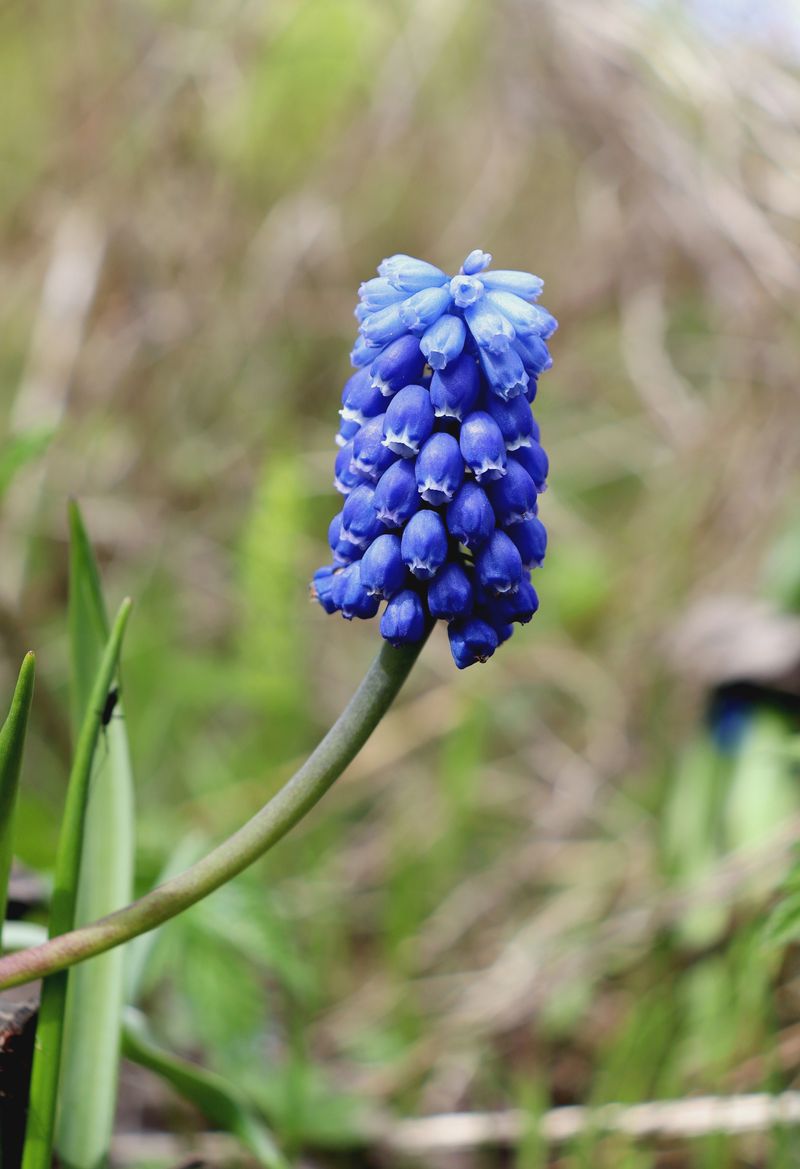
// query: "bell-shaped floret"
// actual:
[[498, 565], [383, 572], [370, 457], [505, 372], [454, 390], [443, 341], [355, 600], [482, 446], [514, 419], [400, 364], [530, 538], [424, 544], [514, 496], [439, 469], [534, 459], [396, 496], [360, 524], [450, 593], [360, 399], [403, 620], [518, 606], [470, 517], [471, 640], [408, 421]]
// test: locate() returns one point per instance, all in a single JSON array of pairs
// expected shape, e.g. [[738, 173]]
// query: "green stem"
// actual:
[[342, 743]]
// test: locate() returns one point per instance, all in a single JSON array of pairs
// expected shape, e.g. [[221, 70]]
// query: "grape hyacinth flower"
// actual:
[[439, 458]]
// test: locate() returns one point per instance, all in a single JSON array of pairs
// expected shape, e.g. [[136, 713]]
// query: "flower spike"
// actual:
[[440, 462]]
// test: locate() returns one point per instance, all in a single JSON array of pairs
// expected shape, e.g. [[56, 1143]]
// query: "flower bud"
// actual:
[[521, 284], [409, 274], [423, 308], [475, 262], [505, 372], [518, 606], [346, 477]]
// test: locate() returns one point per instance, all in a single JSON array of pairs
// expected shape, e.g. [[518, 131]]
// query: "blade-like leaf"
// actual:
[[50, 1031], [12, 743], [219, 1101], [90, 1060]]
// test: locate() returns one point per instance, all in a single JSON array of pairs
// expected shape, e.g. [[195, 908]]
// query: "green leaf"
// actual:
[[96, 989], [17, 451], [50, 1030], [12, 743], [219, 1101]]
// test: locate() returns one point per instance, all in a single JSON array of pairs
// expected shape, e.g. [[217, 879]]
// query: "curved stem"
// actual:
[[342, 743]]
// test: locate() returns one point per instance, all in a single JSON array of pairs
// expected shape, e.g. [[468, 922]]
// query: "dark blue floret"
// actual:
[[408, 421], [396, 497], [514, 496], [360, 524], [399, 364], [345, 477], [439, 469], [483, 447], [450, 593], [424, 544], [356, 601], [534, 459], [530, 538], [383, 572], [514, 419], [440, 461], [403, 621], [370, 457], [472, 640], [498, 565], [454, 390], [360, 399], [470, 518]]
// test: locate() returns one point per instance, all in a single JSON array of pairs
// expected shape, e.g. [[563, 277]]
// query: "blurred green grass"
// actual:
[[194, 193]]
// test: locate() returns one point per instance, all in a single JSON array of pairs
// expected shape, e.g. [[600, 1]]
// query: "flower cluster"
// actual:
[[439, 456]]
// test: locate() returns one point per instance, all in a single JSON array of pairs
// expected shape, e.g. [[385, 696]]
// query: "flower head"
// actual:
[[439, 456]]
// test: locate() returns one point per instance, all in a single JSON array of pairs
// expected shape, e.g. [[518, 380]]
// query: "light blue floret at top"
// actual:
[[439, 456]]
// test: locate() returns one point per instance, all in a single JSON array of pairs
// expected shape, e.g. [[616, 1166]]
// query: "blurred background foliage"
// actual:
[[544, 881]]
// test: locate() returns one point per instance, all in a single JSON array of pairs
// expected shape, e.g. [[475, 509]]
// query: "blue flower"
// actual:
[[439, 469], [440, 462], [424, 544], [403, 621], [408, 421]]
